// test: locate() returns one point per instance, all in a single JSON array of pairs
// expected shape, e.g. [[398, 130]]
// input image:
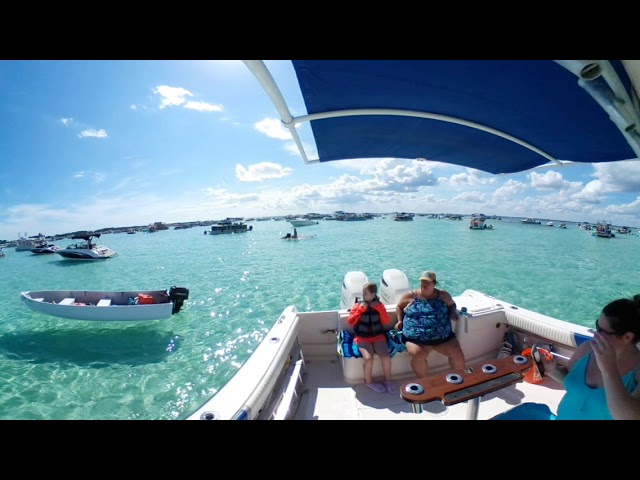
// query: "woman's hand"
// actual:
[[398, 326], [605, 354]]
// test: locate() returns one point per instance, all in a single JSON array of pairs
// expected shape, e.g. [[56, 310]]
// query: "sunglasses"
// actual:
[[599, 329]]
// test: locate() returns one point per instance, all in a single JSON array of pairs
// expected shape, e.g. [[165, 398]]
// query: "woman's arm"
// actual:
[[622, 404], [558, 371], [448, 299], [400, 306]]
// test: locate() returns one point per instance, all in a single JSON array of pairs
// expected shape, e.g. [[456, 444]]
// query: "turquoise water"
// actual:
[[52, 368]]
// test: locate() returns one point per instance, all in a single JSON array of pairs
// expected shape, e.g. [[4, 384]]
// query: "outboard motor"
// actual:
[[178, 295], [393, 284], [352, 288]]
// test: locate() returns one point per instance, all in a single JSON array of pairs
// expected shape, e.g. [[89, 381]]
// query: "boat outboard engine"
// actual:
[[393, 284], [178, 295], [352, 288]]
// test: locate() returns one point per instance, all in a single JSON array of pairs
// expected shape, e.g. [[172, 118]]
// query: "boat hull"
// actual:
[[302, 223], [91, 305], [79, 254]]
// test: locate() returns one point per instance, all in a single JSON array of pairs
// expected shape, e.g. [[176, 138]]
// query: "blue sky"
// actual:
[[95, 144]]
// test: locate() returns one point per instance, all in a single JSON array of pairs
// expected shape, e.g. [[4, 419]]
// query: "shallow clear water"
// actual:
[[52, 368]]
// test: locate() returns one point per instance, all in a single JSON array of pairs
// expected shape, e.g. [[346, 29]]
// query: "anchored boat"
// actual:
[[459, 112], [107, 306]]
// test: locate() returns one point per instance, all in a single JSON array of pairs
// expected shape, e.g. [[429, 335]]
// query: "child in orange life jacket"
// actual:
[[368, 319]]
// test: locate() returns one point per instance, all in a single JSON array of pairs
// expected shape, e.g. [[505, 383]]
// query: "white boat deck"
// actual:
[[328, 397]]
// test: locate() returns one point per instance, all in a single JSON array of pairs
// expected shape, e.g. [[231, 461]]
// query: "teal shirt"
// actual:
[[582, 402]]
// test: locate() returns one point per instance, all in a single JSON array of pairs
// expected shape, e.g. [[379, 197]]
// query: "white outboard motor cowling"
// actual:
[[393, 284], [352, 288]]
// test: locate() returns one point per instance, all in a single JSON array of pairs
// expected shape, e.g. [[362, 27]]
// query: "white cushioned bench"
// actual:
[[352, 367], [67, 301], [104, 302]]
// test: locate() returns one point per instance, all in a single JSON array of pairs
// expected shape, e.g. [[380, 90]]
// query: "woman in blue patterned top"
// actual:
[[424, 316]]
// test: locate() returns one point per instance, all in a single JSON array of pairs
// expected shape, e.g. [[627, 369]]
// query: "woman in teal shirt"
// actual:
[[601, 378]]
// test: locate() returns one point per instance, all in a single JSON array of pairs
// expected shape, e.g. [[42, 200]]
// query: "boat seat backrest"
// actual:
[[67, 301]]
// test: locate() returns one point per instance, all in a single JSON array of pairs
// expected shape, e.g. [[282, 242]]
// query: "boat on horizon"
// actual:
[[228, 226], [25, 243], [603, 229], [419, 109], [47, 248], [302, 222]]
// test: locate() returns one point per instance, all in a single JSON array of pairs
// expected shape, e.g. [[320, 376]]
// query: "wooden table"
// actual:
[[471, 384]]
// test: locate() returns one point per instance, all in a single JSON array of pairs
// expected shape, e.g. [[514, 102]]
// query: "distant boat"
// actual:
[[107, 306], [549, 224], [531, 221], [25, 243], [477, 223], [228, 226], [298, 222], [45, 249], [603, 230]]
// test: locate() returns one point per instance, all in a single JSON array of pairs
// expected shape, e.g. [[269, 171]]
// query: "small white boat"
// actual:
[[105, 306], [86, 251], [297, 222]]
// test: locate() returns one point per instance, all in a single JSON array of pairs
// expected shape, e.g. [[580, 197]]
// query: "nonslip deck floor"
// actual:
[[328, 397]]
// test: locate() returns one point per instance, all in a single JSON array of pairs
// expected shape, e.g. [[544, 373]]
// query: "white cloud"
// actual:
[[474, 197], [550, 180], [472, 177], [261, 171], [171, 96], [591, 193], [203, 107], [273, 128], [632, 209], [221, 195], [91, 133], [66, 121], [618, 176]]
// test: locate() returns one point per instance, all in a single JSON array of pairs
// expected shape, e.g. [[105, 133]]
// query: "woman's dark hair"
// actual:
[[624, 315]]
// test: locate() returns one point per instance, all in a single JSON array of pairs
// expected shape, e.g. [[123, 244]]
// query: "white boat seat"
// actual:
[[104, 302], [38, 299], [67, 301]]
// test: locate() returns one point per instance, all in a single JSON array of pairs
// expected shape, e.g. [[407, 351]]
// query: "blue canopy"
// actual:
[[499, 116]]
